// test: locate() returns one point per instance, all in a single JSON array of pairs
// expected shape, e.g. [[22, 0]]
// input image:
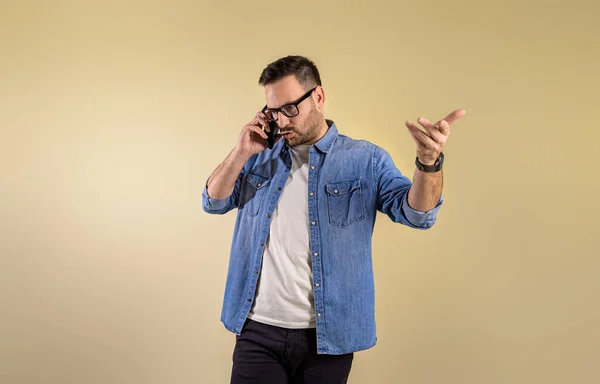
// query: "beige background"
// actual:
[[113, 113]]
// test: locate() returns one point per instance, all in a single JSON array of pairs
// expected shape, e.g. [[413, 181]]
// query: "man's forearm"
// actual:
[[222, 181], [426, 190]]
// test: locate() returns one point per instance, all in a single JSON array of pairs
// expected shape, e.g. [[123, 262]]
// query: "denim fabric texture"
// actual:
[[349, 182]]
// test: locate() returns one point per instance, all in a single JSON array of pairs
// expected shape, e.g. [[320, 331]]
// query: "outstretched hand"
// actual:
[[430, 142]]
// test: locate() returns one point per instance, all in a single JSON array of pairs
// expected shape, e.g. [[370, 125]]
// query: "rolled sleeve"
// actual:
[[211, 205], [418, 218], [392, 194]]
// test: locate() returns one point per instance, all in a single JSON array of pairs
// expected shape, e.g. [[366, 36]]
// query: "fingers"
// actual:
[[431, 129], [260, 120], [257, 123], [420, 137], [452, 117], [427, 149], [256, 129], [443, 127], [431, 141]]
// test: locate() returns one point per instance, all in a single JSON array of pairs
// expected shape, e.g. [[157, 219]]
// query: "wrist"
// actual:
[[429, 166], [426, 161], [240, 154]]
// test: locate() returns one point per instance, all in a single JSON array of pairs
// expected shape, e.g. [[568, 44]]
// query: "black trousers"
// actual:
[[266, 354]]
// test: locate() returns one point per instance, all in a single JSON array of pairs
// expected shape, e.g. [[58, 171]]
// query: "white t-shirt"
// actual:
[[284, 295]]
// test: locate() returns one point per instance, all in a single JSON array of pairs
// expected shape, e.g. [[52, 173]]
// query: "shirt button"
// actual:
[[268, 216], [335, 191], [318, 285], [249, 300], [311, 194], [312, 167], [316, 254], [259, 184], [318, 315], [256, 272], [262, 244], [279, 189], [314, 223]]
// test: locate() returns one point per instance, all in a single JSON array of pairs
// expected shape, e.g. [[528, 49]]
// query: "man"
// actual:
[[300, 293]]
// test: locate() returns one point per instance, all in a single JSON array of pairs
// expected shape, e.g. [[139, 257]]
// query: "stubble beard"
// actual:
[[312, 122]]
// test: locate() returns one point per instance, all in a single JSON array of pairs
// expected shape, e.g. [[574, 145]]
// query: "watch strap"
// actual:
[[435, 167]]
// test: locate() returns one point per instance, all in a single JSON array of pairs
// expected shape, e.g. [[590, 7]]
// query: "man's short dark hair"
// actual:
[[302, 68]]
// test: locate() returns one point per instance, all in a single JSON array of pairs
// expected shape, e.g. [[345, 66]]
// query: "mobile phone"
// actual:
[[273, 129], [272, 134]]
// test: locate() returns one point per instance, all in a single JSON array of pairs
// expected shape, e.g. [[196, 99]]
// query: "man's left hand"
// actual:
[[431, 142]]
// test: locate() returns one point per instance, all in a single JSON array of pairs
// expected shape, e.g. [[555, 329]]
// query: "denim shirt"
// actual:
[[348, 182]]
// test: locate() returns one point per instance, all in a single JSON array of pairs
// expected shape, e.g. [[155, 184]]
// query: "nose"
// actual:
[[283, 120]]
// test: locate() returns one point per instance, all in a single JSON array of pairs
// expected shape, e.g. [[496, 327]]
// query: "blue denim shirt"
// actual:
[[348, 182]]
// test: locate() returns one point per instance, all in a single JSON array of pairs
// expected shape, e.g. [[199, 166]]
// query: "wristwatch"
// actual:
[[435, 167]]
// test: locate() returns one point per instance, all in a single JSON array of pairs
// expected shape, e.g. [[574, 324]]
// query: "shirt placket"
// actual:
[[264, 233], [315, 248]]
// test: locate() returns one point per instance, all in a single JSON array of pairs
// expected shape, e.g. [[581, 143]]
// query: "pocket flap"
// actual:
[[256, 180], [341, 187]]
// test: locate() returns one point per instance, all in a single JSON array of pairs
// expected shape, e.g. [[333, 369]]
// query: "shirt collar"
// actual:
[[324, 144]]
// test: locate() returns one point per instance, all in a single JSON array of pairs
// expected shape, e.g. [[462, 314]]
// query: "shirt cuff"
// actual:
[[211, 204], [419, 218]]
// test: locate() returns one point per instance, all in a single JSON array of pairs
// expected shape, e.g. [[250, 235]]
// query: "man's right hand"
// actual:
[[252, 139]]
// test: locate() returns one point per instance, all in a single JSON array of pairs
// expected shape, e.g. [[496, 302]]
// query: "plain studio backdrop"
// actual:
[[114, 113]]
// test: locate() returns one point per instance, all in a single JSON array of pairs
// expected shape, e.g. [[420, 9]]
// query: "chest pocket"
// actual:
[[255, 189], [345, 202]]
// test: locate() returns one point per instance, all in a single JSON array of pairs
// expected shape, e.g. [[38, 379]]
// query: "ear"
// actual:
[[319, 97]]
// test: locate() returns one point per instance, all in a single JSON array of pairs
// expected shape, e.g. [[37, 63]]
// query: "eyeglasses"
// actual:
[[289, 110]]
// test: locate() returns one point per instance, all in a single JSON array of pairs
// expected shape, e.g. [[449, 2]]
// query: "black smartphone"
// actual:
[[272, 134], [273, 130]]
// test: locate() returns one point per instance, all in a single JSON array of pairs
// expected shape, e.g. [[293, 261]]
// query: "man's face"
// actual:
[[304, 128]]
